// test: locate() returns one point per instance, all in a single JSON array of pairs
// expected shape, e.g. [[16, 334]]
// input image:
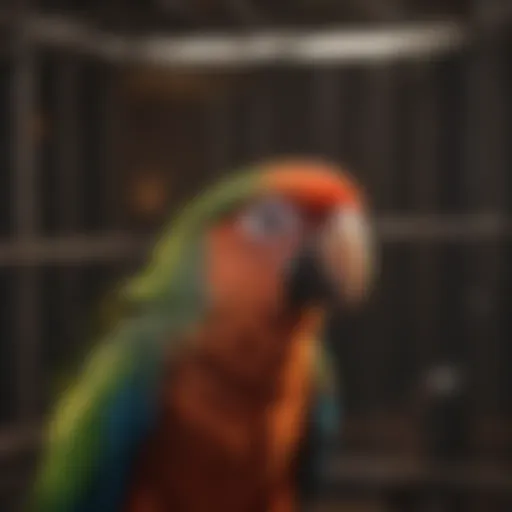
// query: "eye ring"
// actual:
[[270, 218]]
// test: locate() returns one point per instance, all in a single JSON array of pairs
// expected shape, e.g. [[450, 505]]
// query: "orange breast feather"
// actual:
[[286, 417]]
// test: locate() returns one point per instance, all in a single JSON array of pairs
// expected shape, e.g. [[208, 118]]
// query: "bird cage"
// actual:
[[103, 134]]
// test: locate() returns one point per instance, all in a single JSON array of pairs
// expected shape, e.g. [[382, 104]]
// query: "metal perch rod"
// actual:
[[299, 47]]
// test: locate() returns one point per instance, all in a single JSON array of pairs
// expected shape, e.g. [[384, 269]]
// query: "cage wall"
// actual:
[[96, 154]]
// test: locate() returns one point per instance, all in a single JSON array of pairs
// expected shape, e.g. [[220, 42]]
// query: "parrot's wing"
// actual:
[[105, 416], [322, 429], [99, 425]]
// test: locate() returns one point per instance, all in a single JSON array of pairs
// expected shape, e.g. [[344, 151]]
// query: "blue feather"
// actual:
[[128, 420], [323, 427]]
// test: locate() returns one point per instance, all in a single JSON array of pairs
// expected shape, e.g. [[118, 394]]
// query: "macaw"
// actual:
[[204, 392]]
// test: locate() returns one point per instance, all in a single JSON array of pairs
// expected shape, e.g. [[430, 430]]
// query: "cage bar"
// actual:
[[69, 79], [424, 191], [379, 112], [116, 245], [327, 122], [23, 102], [360, 46], [325, 56], [485, 192]]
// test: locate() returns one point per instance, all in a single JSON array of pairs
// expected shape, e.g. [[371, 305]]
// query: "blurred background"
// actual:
[[112, 112]]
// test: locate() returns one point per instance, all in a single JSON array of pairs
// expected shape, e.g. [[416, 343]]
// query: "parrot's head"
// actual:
[[280, 237], [301, 240]]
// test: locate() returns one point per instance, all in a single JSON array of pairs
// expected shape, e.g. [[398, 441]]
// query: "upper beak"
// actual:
[[335, 266], [347, 253]]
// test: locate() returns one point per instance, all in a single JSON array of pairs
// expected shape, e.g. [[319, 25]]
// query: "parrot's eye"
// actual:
[[270, 218]]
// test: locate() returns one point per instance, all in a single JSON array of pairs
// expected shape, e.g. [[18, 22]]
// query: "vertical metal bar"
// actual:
[[69, 184], [219, 122], [260, 123], [23, 87], [327, 116], [485, 188], [425, 294], [68, 140], [375, 142], [424, 183], [379, 134], [23, 100], [111, 106]]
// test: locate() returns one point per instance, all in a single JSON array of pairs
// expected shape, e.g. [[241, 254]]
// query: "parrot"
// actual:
[[212, 388]]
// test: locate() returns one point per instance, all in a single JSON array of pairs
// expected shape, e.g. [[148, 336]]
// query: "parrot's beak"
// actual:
[[337, 266], [347, 254]]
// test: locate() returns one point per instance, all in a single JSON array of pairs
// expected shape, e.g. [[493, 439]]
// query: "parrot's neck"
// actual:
[[235, 407], [247, 360]]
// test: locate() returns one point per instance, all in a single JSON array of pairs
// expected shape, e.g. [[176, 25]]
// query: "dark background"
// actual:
[[95, 151]]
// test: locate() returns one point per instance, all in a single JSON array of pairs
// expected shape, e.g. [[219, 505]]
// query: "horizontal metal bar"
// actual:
[[374, 473], [283, 45], [448, 228], [75, 249], [15, 440], [71, 249], [355, 472]]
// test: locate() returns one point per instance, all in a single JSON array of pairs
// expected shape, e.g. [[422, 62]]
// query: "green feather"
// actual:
[[153, 283], [166, 297], [73, 437]]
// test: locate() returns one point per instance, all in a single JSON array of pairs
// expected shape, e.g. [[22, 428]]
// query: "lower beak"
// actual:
[[336, 266]]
